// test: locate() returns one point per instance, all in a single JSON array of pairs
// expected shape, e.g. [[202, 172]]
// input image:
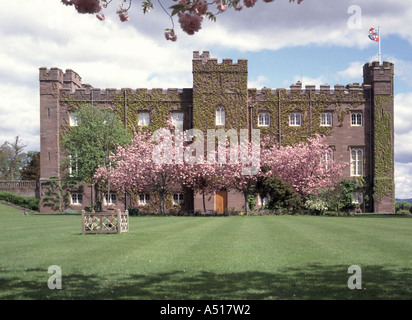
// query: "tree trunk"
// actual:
[[161, 200], [204, 202], [246, 195]]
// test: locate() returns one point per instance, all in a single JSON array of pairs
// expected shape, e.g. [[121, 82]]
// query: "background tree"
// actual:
[[89, 144], [11, 159], [31, 171]]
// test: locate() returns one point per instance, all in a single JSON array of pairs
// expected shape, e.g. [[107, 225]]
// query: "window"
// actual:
[[73, 119], [144, 198], [177, 119], [327, 157], [77, 198], [357, 198], [111, 199], [326, 120], [220, 116], [144, 119], [295, 119], [356, 165], [356, 119], [264, 119], [74, 165], [178, 198], [263, 201]]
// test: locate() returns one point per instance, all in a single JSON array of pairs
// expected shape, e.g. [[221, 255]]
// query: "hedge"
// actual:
[[31, 203]]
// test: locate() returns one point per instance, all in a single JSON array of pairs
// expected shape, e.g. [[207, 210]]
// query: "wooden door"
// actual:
[[221, 201]]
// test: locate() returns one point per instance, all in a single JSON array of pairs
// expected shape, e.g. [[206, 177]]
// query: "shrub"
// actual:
[[134, 212], [31, 203], [402, 207]]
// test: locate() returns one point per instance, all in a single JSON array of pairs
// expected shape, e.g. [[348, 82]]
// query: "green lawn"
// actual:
[[270, 257]]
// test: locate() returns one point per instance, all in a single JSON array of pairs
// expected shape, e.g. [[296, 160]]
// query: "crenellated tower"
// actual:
[[378, 81], [219, 85]]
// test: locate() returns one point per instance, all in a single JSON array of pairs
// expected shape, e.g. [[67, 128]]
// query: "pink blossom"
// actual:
[[100, 16], [249, 3], [170, 35], [201, 7], [84, 6], [190, 23], [124, 17], [222, 7]]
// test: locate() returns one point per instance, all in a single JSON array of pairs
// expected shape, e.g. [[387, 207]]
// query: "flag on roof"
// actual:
[[374, 34]]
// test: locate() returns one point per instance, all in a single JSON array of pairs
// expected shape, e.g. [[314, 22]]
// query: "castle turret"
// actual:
[[220, 86], [51, 81], [378, 80]]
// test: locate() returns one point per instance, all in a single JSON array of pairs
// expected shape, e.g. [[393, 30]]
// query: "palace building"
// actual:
[[356, 118]]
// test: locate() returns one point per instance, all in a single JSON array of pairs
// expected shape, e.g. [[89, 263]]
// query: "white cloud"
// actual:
[[354, 71], [258, 83], [403, 175]]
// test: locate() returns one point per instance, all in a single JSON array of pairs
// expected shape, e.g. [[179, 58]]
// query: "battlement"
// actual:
[[52, 74], [71, 76], [88, 93], [202, 62], [350, 91], [375, 72]]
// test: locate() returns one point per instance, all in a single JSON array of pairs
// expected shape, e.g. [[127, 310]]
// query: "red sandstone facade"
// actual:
[[357, 119]]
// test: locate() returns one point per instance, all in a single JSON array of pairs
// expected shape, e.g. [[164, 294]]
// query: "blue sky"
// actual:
[[315, 42]]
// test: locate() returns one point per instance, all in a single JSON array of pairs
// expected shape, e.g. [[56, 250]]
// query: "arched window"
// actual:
[[220, 116], [264, 119], [357, 162]]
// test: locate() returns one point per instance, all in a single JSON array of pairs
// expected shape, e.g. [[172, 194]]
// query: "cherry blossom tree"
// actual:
[[306, 166], [191, 13], [243, 172], [170, 159]]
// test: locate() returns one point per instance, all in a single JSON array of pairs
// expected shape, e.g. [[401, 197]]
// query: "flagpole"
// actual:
[[380, 53]]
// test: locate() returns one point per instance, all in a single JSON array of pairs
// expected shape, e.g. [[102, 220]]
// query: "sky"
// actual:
[[316, 42]]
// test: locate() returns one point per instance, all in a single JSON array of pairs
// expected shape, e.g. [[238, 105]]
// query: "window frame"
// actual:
[[144, 113], [293, 119], [357, 197], [356, 122], [73, 164], [146, 199], [76, 198], [328, 116], [180, 198], [109, 198], [265, 117], [177, 122], [73, 121], [220, 119], [357, 162]]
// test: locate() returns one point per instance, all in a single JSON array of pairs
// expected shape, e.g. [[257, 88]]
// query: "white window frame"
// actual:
[[263, 201], [295, 119], [73, 121], [264, 119], [356, 163], [356, 119], [74, 165], [178, 198], [326, 119], [220, 116], [144, 199], [111, 199], [76, 198], [357, 197], [178, 119], [144, 119], [327, 157]]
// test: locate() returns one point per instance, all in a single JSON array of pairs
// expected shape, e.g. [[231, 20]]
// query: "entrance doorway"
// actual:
[[221, 201]]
